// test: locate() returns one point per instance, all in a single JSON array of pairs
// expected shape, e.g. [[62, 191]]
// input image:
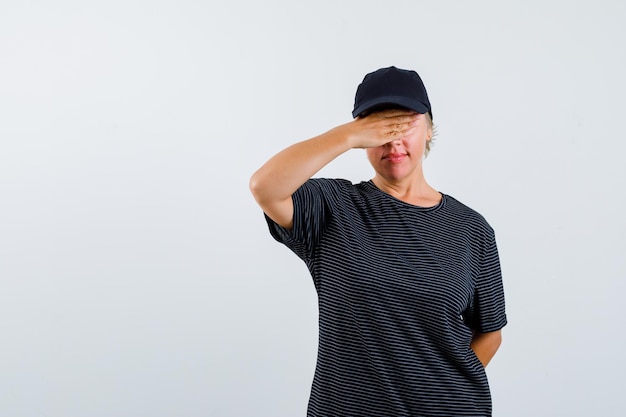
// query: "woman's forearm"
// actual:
[[286, 171], [485, 345]]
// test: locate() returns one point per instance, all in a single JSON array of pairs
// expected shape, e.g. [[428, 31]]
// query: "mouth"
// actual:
[[395, 158]]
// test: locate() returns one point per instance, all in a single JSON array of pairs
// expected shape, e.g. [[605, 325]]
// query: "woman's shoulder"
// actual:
[[466, 213], [330, 182], [329, 186]]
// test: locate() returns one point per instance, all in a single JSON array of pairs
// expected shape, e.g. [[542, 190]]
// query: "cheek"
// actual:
[[374, 155], [418, 140]]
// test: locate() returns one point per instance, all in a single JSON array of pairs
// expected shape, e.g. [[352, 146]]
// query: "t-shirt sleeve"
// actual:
[[311, 210], [487, 312]]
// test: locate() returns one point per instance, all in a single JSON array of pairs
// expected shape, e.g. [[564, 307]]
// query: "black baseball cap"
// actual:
[[391, 87]]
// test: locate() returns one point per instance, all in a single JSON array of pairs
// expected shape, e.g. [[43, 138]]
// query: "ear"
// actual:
[[430, 126]]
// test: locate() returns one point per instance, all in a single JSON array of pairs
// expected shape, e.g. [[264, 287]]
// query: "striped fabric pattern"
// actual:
[[401, 288]]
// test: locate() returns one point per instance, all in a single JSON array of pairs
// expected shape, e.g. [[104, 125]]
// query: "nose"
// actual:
[[394, 142]]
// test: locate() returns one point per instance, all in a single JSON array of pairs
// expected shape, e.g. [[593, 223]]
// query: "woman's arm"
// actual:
[[273, 184], [485, 345]]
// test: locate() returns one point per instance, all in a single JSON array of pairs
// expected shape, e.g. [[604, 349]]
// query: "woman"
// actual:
[[411, 304]]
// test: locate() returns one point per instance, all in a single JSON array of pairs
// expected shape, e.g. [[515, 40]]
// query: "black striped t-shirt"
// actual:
[[400, 290]]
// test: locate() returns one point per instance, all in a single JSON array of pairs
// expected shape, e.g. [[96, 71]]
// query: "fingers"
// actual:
[[401, 120], [383, 127], [398, 133], [400, 126]]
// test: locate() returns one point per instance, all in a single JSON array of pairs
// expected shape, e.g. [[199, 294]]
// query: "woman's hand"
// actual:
[[381, 127]]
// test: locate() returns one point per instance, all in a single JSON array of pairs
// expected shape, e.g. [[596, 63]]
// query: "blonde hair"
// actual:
[[433, 133]]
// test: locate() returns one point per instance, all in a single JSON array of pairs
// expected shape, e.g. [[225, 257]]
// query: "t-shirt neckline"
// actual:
[[396, 200]]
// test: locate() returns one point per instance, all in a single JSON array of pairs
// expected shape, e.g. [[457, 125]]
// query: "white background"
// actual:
[[137, 276]]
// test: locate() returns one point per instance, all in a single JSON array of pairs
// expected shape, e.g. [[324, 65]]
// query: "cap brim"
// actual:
[[410, 104]]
